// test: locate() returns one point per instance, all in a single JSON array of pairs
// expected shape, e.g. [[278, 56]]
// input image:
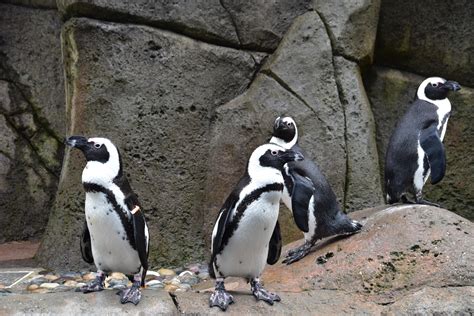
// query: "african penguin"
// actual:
[[246, 234], [115, 235], [415, 148], [308, 195]]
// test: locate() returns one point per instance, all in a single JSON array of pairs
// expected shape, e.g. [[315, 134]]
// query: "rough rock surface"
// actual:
[[31, 118], [152, 92], [363, 184], [257, 25], [406, 259], [390, 92], [428, 39], [352, 26]]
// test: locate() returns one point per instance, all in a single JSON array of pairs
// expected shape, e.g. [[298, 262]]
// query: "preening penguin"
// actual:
[[308, 195], [415, 148], [115, 235], [246, 234]]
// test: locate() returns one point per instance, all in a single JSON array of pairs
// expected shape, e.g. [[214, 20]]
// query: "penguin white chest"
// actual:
[[246, 253], [111, 248]]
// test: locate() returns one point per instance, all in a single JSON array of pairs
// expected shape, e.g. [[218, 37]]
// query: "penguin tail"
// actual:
[[340, 225]]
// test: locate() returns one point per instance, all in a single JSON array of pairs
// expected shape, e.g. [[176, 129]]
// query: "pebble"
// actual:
[[89, 276], [117, 275], [194, 268], [166, 272], [171, 288], [49, 285], [70, 283], [51, 277], [2, 286], [38, 280], [32, 287], [203, 275], [154, 284], [40, 291]]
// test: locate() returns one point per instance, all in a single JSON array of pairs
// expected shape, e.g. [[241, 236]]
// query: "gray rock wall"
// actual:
[[188, 89], [32, 120]]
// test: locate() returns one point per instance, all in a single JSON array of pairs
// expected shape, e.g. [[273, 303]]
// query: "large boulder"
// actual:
[[32, 120], [429, 39], [152, 92], [363, 184], [390, 92], [407, 259], [258, 25], [352, 26]]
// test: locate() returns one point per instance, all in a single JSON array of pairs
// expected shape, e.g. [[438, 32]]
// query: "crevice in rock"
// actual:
[[283, 84], [340, 96], [32, 6], [31, 146], [97, 13], [258, 66], [175, 302], [237, 33]]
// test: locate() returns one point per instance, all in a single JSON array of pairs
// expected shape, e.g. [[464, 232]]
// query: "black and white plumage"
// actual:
[[115, 235], [308, 195], [415, 148], [246, 234]]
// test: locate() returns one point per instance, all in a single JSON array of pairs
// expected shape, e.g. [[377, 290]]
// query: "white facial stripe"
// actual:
[[421, 89], [280, 142], [100, 173]]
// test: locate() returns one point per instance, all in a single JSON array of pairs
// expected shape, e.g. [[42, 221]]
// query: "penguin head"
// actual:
[[285, 132], [272, 156], [436, 88], [101, 155]]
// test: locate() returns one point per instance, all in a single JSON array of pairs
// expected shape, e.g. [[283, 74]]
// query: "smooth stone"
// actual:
[[194, 268], [51, 277], [2, 286], [171, 288], [203, 275], [88, 276], [70, 283], [166, 272], [32, 287], [185, 286], [38, 280], [80, 284], [117, 275], [40, 291], [155, 284], [49, 285]]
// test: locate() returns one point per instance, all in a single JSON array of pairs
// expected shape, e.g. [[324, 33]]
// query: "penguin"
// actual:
[[115, 234], [246, 234], [415, 149], [308, 195]]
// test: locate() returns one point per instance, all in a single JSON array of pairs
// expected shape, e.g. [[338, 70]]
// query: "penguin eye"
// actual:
[[289, 124], [274, 152], [434, 84], [97, 145]]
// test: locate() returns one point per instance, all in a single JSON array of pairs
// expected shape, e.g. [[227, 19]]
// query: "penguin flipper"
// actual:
[[86, 247], [274, 247], [300, 197], [434, 150]]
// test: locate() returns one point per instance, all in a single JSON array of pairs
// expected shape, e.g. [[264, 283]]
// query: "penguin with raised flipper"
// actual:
[[415, 148], [308, 195], [115, 235], [246, 234]]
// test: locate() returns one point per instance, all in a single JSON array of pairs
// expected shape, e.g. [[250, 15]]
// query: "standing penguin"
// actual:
[[115, 235], [308, 195], [246, 234], [415, 148]]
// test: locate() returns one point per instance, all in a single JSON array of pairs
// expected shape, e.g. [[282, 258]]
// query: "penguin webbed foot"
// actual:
[[130, 295], [297, 253], [220, 297], [419, 200], [263, 295], [96, 285]]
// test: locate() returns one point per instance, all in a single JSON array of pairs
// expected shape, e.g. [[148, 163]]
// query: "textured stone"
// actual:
[[47, 4], [363, 184], [152, 92], [202, 19], [390, 92], [31, 118], [303, 65], [261, 24], [352, 26], [429, 39]]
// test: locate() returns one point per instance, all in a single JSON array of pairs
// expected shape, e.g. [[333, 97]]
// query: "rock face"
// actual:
[[31, 119], [352, 26], [390, 92], [428, 39], [407, 259], [151, 92]]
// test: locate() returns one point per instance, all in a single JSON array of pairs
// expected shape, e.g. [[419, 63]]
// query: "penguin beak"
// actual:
[[277, 123], [452, 85], [292, 155], [77, 141]]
